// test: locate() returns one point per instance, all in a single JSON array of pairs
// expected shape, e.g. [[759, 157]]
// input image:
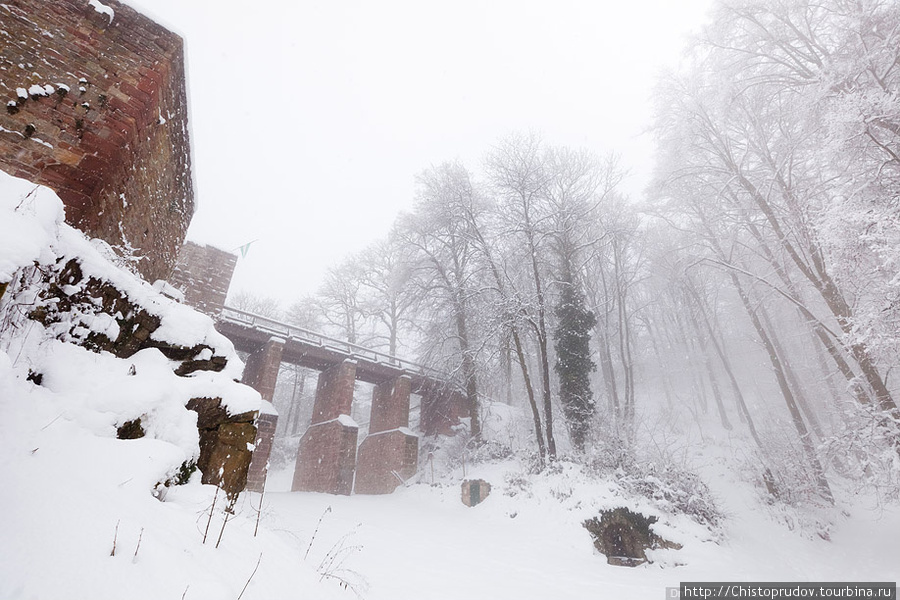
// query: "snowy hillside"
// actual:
[[86, 515]]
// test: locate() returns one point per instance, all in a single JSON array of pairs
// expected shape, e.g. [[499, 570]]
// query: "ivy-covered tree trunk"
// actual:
[[573, 362]]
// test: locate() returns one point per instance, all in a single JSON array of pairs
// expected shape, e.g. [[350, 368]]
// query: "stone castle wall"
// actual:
[[95, 107]]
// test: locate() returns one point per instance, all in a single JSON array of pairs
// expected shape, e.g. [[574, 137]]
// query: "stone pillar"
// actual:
[[326, 458], [390, 405], [389, 454], [440, 410], [334, 391], [265, 436], [261, 370], [261, 373]]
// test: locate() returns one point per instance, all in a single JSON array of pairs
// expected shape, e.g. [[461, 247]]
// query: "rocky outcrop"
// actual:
[[624, 536], [99, 315], [226, 444]]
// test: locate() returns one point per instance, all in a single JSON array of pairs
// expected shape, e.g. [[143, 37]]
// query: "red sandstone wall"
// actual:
[[115, 145], [204, 274]]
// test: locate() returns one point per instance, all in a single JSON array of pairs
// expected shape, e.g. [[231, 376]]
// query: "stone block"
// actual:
[[385, 460], [203, 274], [440, 411], [474, 491], [224, 438], [326, 458]]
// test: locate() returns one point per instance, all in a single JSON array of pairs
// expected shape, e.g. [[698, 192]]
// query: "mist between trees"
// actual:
[[755, 290]]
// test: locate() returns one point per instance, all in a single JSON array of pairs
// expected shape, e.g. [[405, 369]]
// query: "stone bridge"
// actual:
[[328, 459]]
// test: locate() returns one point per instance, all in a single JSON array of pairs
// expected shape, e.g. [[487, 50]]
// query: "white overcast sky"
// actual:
[[310, 120]]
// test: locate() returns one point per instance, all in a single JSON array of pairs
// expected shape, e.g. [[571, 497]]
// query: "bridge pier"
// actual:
[[326, 458], [261, 373], [390, 452]]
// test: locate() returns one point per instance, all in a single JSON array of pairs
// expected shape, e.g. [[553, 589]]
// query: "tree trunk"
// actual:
[[814, 324], [468, 367], [777, 367], [667, 389], [830, 293], [532, 402], [726, 364], [713, 381], [789, 372]]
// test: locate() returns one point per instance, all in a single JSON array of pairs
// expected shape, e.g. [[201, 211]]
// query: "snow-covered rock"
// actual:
[[79, 324]]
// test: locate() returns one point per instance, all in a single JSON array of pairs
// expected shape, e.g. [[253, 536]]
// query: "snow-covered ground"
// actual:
[[85, 515], [66, 491], [422, 542]]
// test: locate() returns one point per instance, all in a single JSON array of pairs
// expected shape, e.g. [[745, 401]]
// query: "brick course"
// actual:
[[390, 405], [261, 368], [334, 391]]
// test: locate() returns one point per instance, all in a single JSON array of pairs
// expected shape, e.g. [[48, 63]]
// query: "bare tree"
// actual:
[[264, 306], [340, 299], [520, 180], [441, 256], [387, 297]]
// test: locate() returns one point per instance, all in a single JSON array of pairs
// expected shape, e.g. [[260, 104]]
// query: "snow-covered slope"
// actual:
[[526, 541], [82, 513], [86, 515]]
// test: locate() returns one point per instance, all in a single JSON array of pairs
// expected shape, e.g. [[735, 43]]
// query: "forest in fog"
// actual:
[[754, 289], [560, 372]]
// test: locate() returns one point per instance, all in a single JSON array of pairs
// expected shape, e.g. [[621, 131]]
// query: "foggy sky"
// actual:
[[310, 120]]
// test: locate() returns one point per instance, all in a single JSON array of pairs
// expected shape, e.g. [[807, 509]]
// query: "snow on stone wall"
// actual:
[[96, 109]]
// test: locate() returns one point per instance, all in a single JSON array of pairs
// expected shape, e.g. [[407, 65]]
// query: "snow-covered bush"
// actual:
[[673, 488]]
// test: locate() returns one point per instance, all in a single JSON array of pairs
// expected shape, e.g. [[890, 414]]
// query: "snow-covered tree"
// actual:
[[574, 323]]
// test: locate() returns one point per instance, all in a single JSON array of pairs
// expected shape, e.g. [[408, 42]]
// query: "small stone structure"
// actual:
[[95, 108], [203, 274], [474, 491], [624, 536]]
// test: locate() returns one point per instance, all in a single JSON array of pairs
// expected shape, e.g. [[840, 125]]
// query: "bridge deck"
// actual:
[[305, 348]]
